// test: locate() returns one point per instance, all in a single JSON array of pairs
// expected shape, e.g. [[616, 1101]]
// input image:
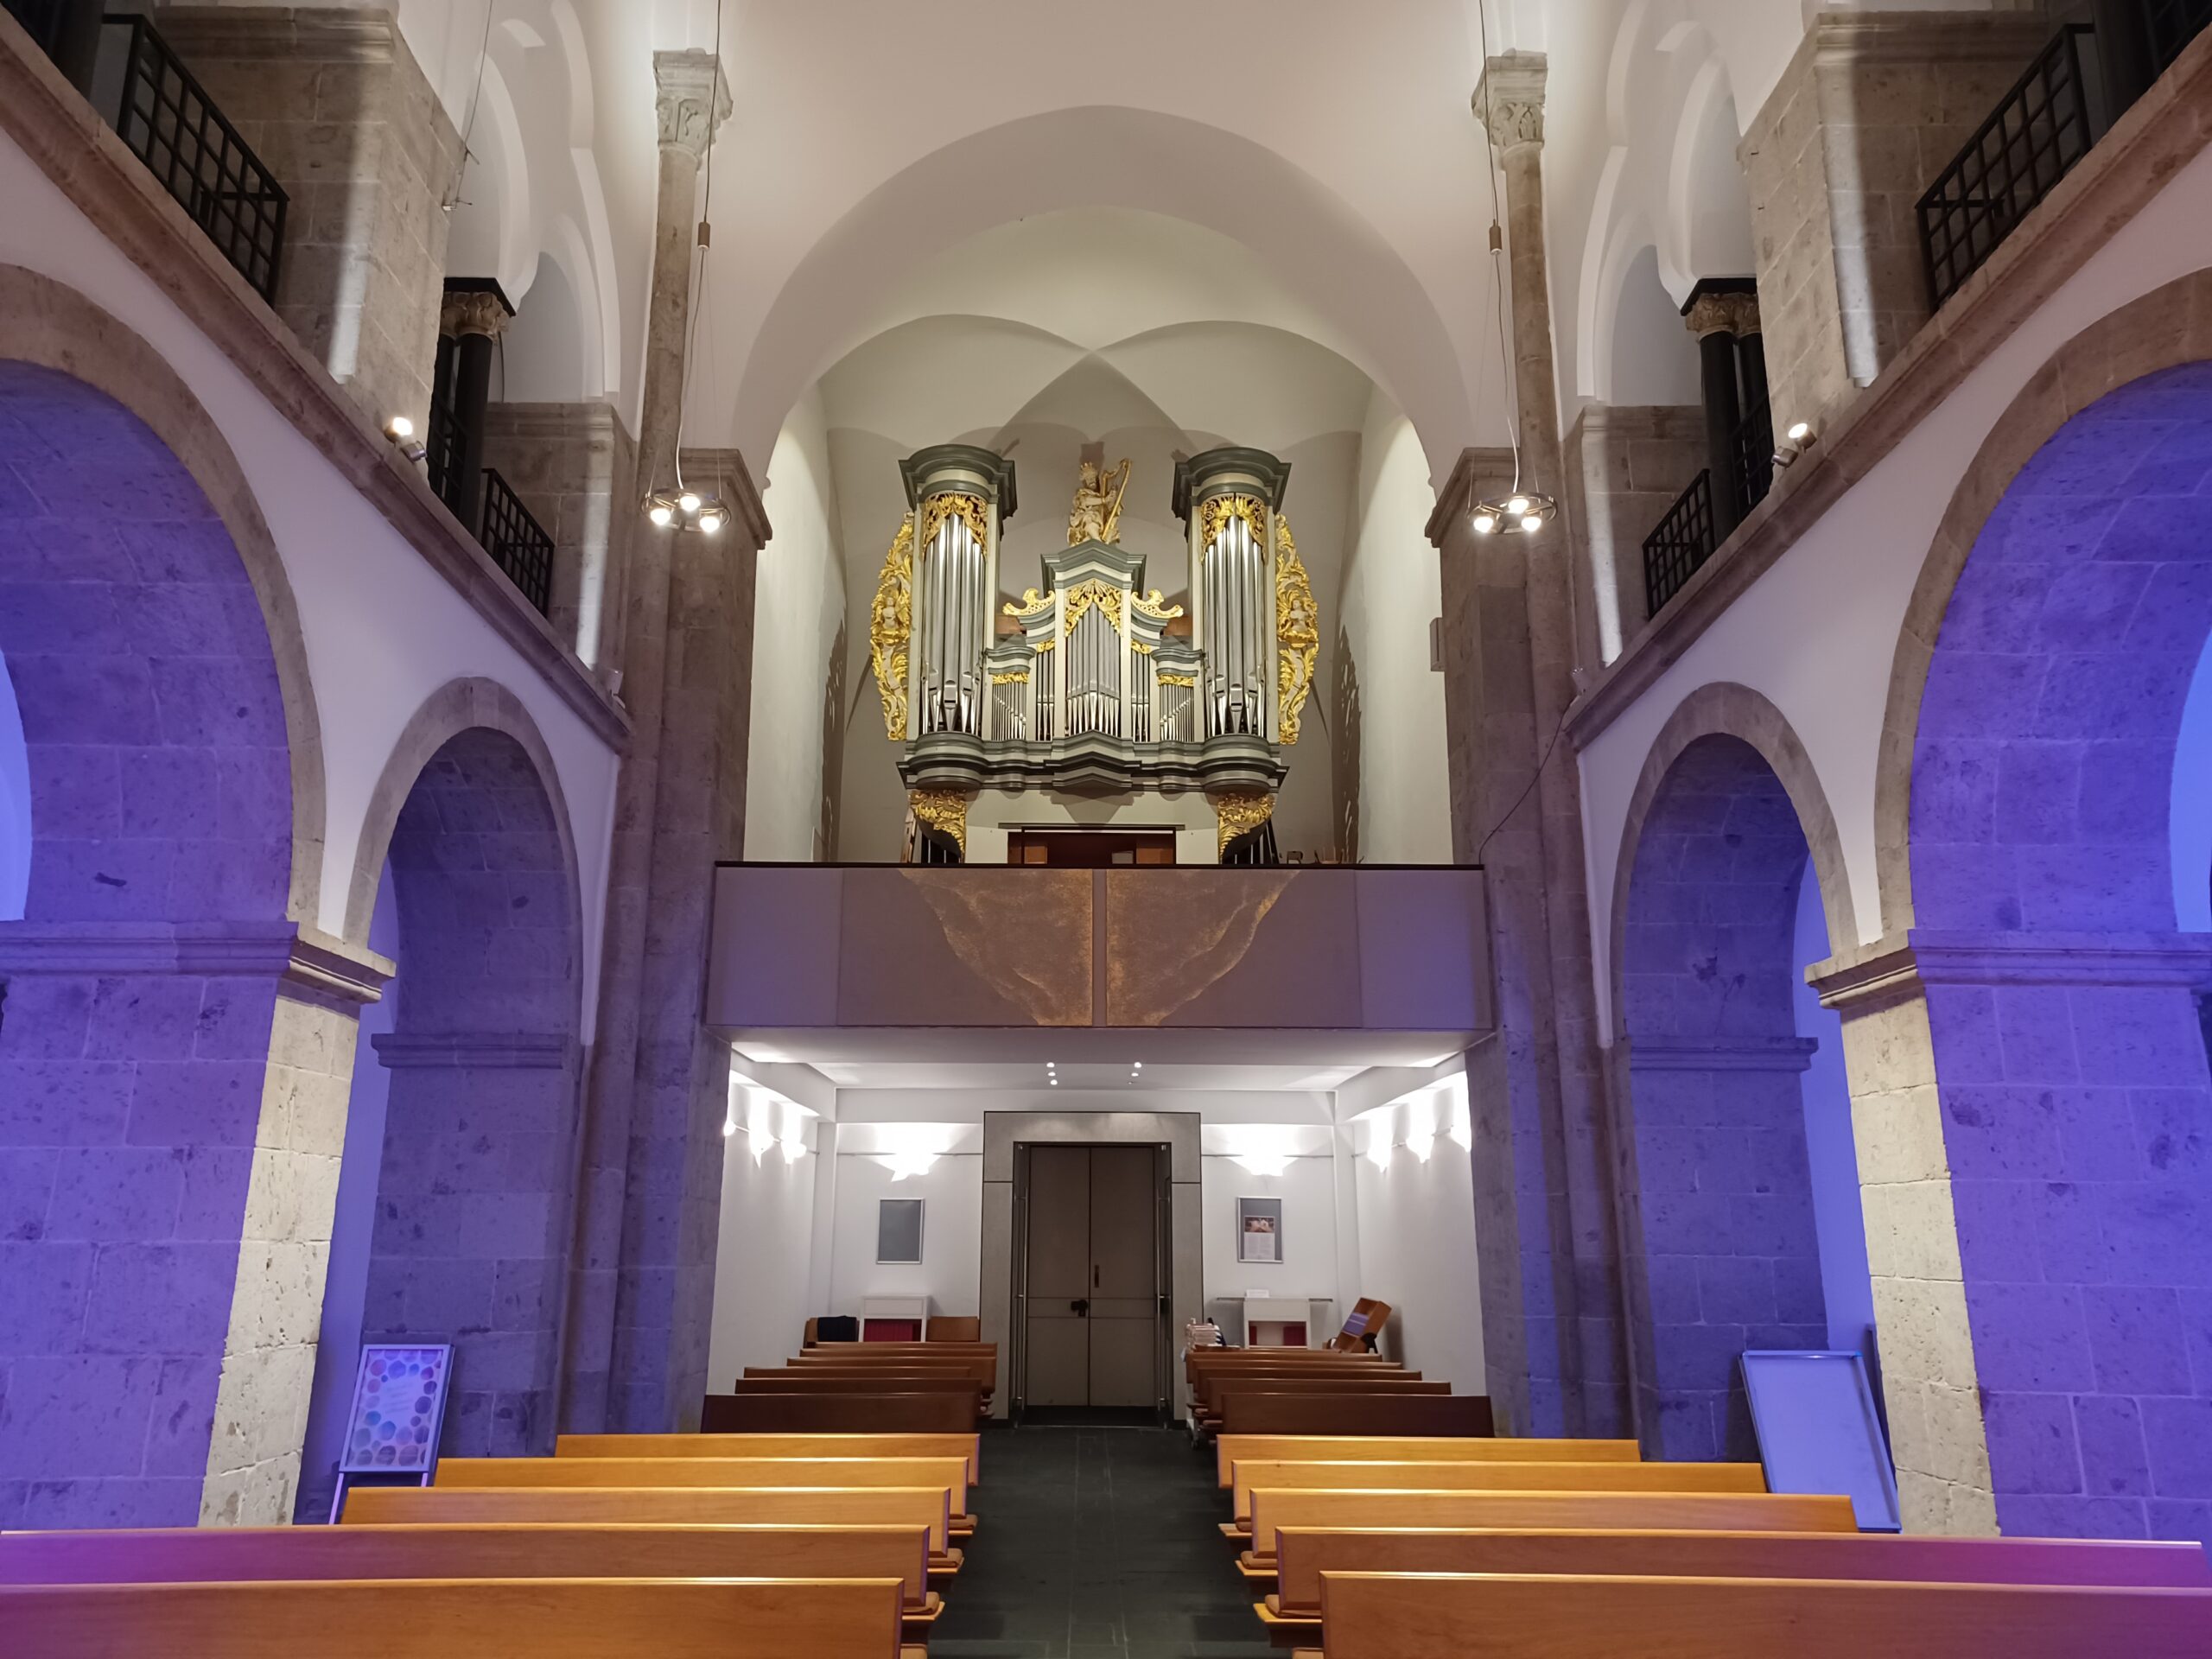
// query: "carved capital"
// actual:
[[1723, 314], [473, 311], [1510, 100], [693, 100]]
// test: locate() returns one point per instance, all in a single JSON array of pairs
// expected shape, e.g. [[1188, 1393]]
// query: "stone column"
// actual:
[[475, 313], [653, 1158], [335, 105], [1722, 314], [576, 467], [1871, 107], [1509, 645]]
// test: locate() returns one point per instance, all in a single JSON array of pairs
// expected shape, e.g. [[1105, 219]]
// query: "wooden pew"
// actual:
[[1381, 1615], [1461, 1416], [740, 1474], [484, 1618], [1303, 1553], [1385, 1448], [1212, 1384], [1207, 1400], [213, 1555], [964, 1389], [835, 1413], [1481, 1478], [980, 1372], [968, 1446], [866, 1506], [1273, 1509]]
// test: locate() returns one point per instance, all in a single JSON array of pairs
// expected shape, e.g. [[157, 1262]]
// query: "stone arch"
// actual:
[[2118, 370], [1724, 1224], [472, 1177], [49, 326]]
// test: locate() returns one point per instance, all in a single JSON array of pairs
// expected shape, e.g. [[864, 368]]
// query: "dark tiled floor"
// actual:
[[1097, 1543]]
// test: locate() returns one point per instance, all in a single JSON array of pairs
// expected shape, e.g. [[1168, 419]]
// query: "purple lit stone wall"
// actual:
[[130, 1078], [1722, 1252], [2077, 1108], [475, 1200]]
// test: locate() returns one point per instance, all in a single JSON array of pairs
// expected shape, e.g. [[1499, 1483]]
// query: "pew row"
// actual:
[[1273, 1510], [1458, 1417], [927, 1506], [1207, 1393], [858, 1411], [1385, 1448], [484, 1618], [1385, 1615], [720, 1473], [967, 1446], [1490, 1478]]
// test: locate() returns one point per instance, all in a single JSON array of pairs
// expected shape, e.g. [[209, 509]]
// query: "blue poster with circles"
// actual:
[[399, 1400]]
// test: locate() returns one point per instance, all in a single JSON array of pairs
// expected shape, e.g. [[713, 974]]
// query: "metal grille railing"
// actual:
[[441, 453], [170, 124], [1753, 445], [2016, 158], [1683, 541], [2173, 24], [517, 542]]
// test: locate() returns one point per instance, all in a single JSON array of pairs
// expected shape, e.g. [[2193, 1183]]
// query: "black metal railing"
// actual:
[[2172, 24], [171, 124], [442, 453], [1684, 541], [1752, 445], [2033, 139], [517, 542]]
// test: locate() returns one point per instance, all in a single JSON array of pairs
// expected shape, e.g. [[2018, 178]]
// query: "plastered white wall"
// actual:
[[1308, 1240], [799, 604], [950, 1271], [1417, 1238], [383, 630], [760, 1257]]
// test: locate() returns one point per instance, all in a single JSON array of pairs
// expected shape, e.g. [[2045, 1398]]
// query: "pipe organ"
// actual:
[[1091, 685]]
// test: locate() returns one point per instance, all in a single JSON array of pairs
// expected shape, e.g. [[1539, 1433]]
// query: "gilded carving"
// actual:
[[1020, 679], [1031, 603], [1242, 813], [1104, 595], [1723, 314], [1166, 678], [971, 510], [1298, 634], [944, 810], [1156, 605], [1214, 517], [891, 626], [1097, 514]]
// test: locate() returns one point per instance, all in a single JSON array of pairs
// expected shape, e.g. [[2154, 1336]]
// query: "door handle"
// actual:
[[1080, 1308]]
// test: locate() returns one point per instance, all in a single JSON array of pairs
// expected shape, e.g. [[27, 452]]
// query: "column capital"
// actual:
[[474, 311], [692, 99], [1723, 314], [1510, 100]]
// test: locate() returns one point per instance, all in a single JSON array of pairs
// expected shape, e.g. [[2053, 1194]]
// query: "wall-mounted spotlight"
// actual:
[[1523, 512], [1795, 442], [401, 431]]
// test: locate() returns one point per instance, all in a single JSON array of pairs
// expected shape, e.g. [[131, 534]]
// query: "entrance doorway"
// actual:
[[1093, 1291]]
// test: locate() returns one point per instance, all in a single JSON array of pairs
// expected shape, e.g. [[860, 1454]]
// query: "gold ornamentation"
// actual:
[[1105, 596], [971, 510], [1156, 605], [1021, 679], [1214, 517], [891, 626], [1165, 678], [1297, 635], [1031, 603], [1097, 514], [944, 810], [1242, 813]]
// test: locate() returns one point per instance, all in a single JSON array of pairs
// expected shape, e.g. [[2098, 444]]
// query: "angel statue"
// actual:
[[1097, 515]]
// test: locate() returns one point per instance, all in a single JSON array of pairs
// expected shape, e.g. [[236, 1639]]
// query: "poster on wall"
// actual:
[[1259, 1229], [899, 1230]]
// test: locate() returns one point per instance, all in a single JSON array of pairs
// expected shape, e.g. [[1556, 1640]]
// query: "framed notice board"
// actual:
[[1813, 1411]]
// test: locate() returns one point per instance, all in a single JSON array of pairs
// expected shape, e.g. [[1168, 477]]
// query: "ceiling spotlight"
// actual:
[[661, 514], [1524, 511], [710, 522], [1485, 523], [687, 503], [1530, 523], [1517, 505]]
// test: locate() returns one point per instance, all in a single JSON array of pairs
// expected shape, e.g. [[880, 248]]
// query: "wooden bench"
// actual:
[[1273, 1509], [968, 1446], [866, 1506], [859, 1411], [214, 1554], [1211, 1382], [869, 1375], [1303, 1553], [1207, 1402], [1385, 1448], [1482, 1477], [742, 1474], [1460, 1416], [483, 1618], [1382, 1616]]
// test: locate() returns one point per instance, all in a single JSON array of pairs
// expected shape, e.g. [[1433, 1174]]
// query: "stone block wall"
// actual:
[[1624, 468], [335, 105], [575, 466], [1872, 106]]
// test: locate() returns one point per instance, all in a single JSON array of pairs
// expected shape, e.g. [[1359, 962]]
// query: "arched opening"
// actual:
[[1729, 1220], [469, 1187], [2049, 790], [155, 777]]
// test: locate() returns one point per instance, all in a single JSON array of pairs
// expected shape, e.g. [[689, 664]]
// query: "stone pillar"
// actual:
[[653, 1158], [1626, 466], [576, 467], [2031, 1113], [335, 105], [474, 316], [1871, 107], [1552, 1312]]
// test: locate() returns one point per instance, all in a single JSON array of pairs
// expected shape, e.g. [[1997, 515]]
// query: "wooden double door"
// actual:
[[1091, 1286]]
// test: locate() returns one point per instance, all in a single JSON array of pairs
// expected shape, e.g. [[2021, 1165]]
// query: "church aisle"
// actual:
[[1093, 1542]]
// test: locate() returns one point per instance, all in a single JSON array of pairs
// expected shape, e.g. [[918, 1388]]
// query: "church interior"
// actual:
[[1014, 831]]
